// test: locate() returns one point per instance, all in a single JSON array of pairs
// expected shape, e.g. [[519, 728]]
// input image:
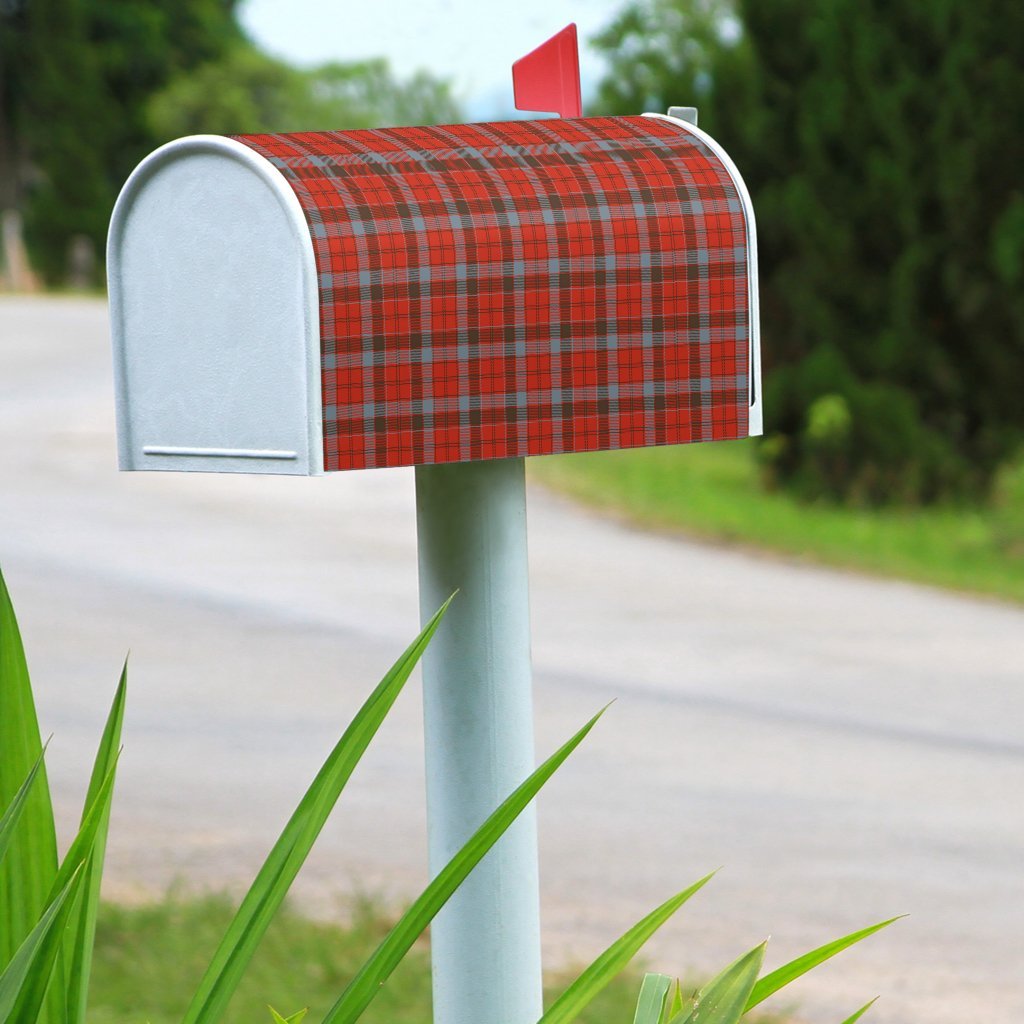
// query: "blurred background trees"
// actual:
[[880, 140], [250, 88], [89, 87], [76, 79]]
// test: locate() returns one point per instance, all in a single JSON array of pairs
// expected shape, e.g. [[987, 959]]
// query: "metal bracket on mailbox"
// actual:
[[688, 114]]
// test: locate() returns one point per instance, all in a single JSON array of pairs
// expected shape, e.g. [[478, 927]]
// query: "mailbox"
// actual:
[[340, 300], [453, 298]]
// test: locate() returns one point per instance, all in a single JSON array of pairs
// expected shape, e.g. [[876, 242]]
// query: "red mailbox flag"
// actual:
[[548, 78]]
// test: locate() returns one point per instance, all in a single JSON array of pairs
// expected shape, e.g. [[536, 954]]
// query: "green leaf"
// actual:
[[30, 866], [372, 975], [282, 864], [82, 931], [651, 1003], [24, 981], [295, 1018], [72, 866], [675, 1006], [723, 1000], [853, 1018], [771, 983], [17, 805], [84, 843], [569, 1004]]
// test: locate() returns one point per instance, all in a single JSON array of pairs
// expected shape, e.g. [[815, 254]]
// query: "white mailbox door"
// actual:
[[215, 315]]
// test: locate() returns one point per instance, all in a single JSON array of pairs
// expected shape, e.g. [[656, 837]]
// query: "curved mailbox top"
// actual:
[[474, 292]]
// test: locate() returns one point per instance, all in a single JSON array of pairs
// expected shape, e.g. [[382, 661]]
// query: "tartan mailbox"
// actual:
[[410, 296], [453, 298]]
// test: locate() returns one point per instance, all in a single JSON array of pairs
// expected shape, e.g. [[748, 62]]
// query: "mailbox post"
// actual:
[[456, 299], [478, 722]]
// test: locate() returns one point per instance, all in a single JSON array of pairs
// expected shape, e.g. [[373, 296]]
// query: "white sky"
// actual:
[[471, 42]]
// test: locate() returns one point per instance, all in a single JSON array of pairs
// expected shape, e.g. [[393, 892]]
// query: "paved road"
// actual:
[[846, 748]]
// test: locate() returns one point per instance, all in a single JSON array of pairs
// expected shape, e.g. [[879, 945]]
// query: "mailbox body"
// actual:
[[341, 300]]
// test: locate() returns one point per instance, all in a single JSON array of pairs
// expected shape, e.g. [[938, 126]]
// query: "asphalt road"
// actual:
[[846, 748]]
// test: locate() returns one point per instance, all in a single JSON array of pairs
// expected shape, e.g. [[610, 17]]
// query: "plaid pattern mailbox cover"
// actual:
[[524, 288]]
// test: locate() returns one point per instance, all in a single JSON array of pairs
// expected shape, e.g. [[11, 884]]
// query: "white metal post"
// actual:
[[478, 711]]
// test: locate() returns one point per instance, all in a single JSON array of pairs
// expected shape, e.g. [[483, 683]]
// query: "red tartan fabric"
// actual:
[[524, 288]]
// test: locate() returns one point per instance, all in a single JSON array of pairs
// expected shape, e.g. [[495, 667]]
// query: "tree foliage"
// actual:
[[248, 91], [880, 144], [76, 78], [88, 87]]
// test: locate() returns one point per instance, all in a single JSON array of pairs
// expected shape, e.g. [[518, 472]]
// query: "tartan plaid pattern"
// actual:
[[524, 288]]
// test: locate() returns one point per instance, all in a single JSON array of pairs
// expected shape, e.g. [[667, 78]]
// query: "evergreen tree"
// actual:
[[881, 144], [74, 84]]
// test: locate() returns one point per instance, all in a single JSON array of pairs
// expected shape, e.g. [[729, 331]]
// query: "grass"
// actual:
[[149, 958], [713, 492]]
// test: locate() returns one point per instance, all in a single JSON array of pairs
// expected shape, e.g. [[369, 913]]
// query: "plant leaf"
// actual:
[[569, 1004], [17, 805], [73, 866], [25, 979], [83, 844], [782, 976], [853, 1018], [30, 866], [723, 1000], [676, 1004], [295, 1018], [651, 1003], [372, 975], [82, 930], [282, 864]]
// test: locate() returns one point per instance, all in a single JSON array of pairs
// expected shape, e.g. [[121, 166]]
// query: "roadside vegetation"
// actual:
[[152, 956], [891, 263], [715, 492], [890, 224]]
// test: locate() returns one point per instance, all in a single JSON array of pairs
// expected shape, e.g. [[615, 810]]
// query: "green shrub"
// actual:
[[835, 436], [1008, 508]]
